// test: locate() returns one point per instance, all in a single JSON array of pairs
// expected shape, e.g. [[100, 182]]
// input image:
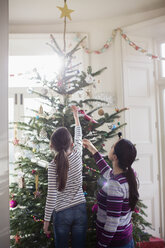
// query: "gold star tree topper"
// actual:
[[65, 11]]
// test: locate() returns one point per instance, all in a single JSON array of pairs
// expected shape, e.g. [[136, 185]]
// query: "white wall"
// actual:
[[4, 182]]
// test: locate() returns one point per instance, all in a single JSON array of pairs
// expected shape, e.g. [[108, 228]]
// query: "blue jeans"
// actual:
[[71, 220], [129, 245]]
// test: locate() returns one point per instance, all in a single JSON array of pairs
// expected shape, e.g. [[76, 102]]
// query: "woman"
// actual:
[[65, 195], [118, 197]]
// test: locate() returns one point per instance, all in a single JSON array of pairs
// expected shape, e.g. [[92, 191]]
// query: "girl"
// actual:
[[65, 194], [118, 197]]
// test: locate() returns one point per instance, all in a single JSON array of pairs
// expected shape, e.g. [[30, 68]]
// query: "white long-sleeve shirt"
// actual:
[[73, 192]]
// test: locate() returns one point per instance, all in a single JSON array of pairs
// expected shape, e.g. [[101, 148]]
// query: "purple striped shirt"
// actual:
[[113, 223]]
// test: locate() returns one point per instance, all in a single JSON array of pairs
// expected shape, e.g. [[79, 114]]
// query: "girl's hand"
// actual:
[[74, 110], [87, 144], [46, 226], [75, 114]]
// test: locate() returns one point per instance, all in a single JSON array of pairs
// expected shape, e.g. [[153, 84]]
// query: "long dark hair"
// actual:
[[61, 141], [126, 154]]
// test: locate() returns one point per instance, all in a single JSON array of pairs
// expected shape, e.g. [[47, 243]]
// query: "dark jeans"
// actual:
[[129, 245], [71, 220]]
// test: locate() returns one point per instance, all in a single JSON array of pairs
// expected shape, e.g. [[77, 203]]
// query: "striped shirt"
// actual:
[[114, 227], [73, 192]]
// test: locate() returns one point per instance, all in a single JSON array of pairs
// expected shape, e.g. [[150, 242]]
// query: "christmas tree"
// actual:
[[28, 194]]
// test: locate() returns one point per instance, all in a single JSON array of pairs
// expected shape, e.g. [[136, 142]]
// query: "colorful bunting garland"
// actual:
[[108, 44], [125, 37]]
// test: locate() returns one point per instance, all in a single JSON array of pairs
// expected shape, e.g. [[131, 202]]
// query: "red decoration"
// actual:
[[17, 238], [137, 210], [106, 45], [152, 243], [48, 235], [95, 208], [87, 117], [33, 171], [37, 194], [15, 141], [13, 203]]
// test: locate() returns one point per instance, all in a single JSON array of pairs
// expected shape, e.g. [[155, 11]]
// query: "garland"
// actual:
[[125, 37]]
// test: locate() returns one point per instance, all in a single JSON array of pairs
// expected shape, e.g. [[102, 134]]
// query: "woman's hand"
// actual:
[[46, 226], [87, 144]]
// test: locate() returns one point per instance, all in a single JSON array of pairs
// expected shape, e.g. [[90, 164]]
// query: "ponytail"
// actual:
[[62, 165], [133, 187], [126, 154], [61, 141]]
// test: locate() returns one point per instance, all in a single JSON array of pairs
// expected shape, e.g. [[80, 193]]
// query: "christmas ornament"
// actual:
[[36, 193], [13, 203], [85, 193], [43, 133], [89, 79], [34, 150], [117, 110], [65, 12], [40, 112], [101, 112], [48, 235], [34, 171], [87, 117], [21, 182], [137, 210], [17, 238], [15, 141], [113, 127], [94, 208], [88, 92]]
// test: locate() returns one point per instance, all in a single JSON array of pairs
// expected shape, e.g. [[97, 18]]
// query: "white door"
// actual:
[[139, 97]]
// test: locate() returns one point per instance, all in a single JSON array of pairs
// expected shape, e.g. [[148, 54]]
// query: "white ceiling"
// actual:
[[45, 11]]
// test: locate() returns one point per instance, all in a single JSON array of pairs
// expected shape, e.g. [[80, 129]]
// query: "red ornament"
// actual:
[[13, 203], [17, 238], [37, 194], [48, 235], [33, 171], [15, 141], [95, 208], [87, 117], [137, 210]]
